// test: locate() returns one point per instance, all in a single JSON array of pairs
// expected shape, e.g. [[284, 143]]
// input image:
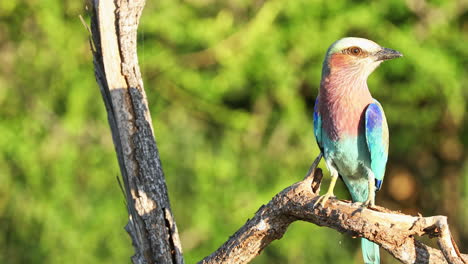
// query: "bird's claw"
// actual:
[[323, 199], [368, 203]]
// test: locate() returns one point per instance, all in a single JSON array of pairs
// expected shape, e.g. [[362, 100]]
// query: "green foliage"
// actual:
[[231, 87]]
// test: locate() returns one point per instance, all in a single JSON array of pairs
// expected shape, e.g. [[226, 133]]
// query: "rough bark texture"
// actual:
[[393, 231], [151, 224]]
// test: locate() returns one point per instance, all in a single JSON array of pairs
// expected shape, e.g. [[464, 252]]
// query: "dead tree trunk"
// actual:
[[151, 224]]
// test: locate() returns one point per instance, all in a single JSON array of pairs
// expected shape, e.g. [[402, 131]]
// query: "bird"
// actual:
[[350, 126]]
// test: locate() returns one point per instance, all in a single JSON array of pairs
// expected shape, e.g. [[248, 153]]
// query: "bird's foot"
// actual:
[[369, 203], [324, 198]]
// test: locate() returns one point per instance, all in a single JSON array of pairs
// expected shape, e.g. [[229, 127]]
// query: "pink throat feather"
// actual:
[[343, 97]]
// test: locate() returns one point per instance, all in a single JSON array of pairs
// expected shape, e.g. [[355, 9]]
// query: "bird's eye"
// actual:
[[356, 51]]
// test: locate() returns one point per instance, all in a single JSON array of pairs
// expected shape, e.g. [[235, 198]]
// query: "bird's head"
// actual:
[[356, 56]]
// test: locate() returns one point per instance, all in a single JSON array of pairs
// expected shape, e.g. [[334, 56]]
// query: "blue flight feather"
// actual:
[[377, 140], [318, 125]]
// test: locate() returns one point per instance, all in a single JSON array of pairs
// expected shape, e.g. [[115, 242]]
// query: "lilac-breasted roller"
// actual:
[[350, 126]]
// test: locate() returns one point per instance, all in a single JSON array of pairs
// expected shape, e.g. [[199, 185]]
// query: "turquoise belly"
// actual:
[[351, 158]]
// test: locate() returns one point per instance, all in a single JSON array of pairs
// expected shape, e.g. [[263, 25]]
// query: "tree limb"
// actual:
[[393, 231]]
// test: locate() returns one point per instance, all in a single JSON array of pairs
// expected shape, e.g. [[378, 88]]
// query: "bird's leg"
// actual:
[[371, 193], [324, 198]]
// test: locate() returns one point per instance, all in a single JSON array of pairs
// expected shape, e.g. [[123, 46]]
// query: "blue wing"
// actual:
[[318, 125], [377, 140]]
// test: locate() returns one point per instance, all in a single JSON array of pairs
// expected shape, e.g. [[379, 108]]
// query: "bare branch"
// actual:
[[393, 231]]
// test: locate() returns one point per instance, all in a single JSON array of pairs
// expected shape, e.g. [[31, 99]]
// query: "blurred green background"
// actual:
[[231, 86]]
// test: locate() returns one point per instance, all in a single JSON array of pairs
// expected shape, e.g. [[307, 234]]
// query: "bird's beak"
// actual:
[[387, 54]]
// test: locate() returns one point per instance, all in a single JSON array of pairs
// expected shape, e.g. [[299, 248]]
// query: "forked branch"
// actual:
[[393, 231]]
